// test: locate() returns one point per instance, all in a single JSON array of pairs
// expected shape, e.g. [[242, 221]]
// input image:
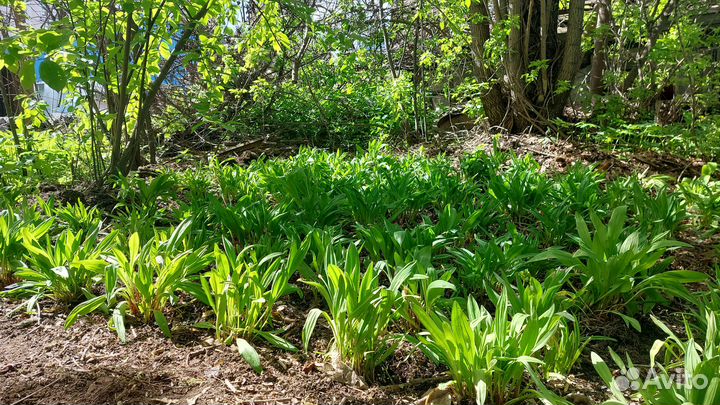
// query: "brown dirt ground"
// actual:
[[556, 154], [42, 363]]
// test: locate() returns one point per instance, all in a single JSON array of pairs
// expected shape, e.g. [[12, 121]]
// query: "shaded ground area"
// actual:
[[41, 363], [558, 153]]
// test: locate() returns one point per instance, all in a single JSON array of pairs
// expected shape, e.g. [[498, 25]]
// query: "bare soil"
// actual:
[[556, 154], [42, 363]]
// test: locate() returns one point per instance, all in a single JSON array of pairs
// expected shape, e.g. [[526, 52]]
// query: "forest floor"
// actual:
[[556, 154], [42, 363]]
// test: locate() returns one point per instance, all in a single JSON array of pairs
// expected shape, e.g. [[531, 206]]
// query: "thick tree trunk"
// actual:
[[8, 89], [597, 69], [494, 101], [512, 101], [572, 56]]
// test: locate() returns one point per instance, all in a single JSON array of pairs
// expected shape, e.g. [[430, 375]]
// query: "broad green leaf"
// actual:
[[277, 341], [249, 354], [165, 50], [118, 320], [53, 75], [27, 75], [83, 309], [309, 327], [162, 323]]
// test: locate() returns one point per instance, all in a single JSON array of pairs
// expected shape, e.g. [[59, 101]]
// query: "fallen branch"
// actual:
[[37, 391], [243, 147]]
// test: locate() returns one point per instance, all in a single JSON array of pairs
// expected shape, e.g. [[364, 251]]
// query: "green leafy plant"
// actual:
[[489, 357], [243, 294], [529, 296], [565, 348], [142, 204], [143, 279], [708, 301], [77, 216], [398, 246], [617, 266], [521, 189], [12, 228], [480, 166], [64, 268], [506, 255], [703, 195], [359, 313], [250, 219], [305, 191]]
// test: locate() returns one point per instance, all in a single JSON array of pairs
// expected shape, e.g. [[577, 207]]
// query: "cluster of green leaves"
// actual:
[[618, 268], [64, 267], [359, 313], [488, 355], [702, 194], [243, 291], [13, 228], [388, 242]]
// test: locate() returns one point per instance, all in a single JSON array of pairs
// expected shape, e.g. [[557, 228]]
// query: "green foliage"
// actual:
[[359, 313], [621, 269], [521, 188], [242, 293], [63, 268], [488, 356], [390, 243], [143, 204], [399, 247], [77, 216], [703, 196], [143, 278], [479, 268], [12, 228], [657, 210]]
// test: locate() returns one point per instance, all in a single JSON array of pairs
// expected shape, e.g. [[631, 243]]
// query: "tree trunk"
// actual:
[[572, 57], [8, 89], [131, 157], [532, 84], [597, 69], [494, 101]]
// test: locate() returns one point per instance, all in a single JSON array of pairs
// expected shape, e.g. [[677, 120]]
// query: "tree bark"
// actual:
[[494, 101], [597, 69], [572, 55]]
